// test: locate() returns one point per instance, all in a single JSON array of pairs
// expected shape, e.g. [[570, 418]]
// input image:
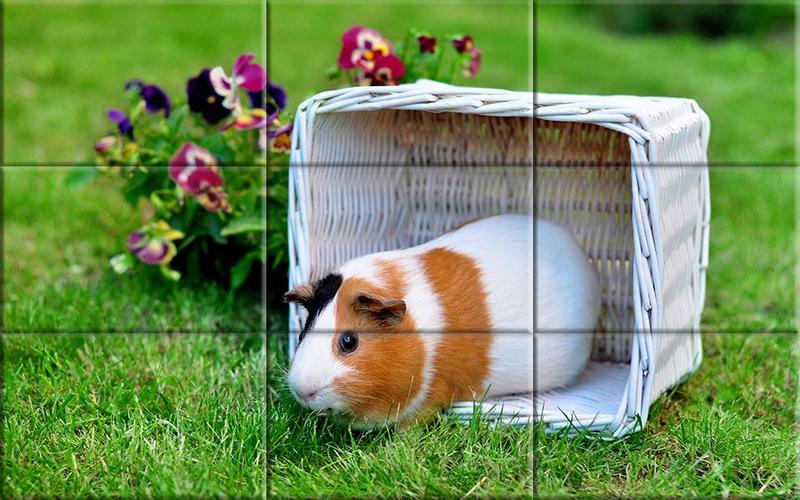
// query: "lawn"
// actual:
[[745, 84], [731, 429], [133, 415]]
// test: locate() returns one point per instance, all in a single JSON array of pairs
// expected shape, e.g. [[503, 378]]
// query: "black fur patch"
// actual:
[[324, 291]]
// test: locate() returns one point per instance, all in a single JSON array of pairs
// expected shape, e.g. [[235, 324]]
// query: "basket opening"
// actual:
[[575, 143], [595, 204], [403, 137]]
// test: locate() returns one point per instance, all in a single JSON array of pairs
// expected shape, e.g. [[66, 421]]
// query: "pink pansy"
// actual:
[[191, 155], [474, 63], [105, 144], [385, 71], [246, 119], [246, 74], [362, 47], [194, 170]]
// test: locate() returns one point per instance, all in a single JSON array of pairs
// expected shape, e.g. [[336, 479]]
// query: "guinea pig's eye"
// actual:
[[348, 342]]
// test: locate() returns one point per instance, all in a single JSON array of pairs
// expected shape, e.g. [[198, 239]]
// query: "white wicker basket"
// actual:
[[626, 174]]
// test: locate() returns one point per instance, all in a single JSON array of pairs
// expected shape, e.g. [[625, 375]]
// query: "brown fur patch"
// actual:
[[300, 293], [388, 359], [462, 358]]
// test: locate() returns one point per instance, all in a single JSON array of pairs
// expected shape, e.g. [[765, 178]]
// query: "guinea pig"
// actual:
[[396, 336]]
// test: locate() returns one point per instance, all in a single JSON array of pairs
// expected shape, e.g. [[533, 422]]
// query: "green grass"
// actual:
[[731, 429], [309, 456], [133, 416], [751, 284], [57, 243], [745, 84], [66, 64]]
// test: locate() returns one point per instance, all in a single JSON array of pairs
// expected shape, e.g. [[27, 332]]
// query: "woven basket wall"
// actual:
[[384, 168]]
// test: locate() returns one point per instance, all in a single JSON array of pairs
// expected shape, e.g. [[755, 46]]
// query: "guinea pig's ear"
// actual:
[[387, 312], [302, 295]]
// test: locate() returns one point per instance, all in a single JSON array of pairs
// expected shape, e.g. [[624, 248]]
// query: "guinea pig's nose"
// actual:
[[311, 394]]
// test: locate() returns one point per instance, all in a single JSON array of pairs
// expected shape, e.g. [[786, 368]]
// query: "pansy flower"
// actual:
[[152, 244], [195, 171], [122, 121], [474, 65], [258, 98], [362, 47], [276, 101], [192, 155], [386, 71], [246, 74], [155, 99], [427, 44], [247, 119], [466, 44], [105, 144], [281, 139], [463, 44], [204, 100]]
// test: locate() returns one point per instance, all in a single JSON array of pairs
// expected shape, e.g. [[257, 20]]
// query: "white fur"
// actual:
[[567, 306], [567, 300]]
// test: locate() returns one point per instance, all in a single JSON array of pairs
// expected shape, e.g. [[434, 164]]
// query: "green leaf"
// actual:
[[218, 147], [80, 176], [176, 119], [241, 270], [245, 225], [139, 185], [168, 273], [214, 229]]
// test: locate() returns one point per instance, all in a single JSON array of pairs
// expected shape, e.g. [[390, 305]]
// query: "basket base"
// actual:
[[593, 402]]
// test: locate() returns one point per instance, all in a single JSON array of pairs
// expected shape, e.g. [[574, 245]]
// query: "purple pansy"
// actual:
[[122, 121], [276, 100], [258, 98], [152, 244], [155, 99], [203, 99]]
